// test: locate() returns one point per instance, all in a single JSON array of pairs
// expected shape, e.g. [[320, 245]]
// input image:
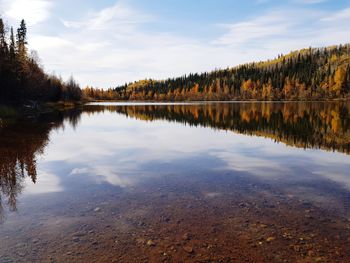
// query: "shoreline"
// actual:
[[11, 111]]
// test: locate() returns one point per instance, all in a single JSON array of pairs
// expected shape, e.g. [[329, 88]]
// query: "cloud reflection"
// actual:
[[48, 183]]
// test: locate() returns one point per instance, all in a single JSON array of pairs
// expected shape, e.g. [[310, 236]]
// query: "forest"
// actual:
[[22, 78], [308, 74]]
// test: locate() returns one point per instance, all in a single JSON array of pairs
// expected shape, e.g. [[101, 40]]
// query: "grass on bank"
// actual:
[[8, 111]]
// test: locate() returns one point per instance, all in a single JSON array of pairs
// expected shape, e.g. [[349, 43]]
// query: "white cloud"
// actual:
[[110, 46], [49, 42], [339, 16], [281, 31], [267, 26], [274, 27], [118, 16], [33, 11]]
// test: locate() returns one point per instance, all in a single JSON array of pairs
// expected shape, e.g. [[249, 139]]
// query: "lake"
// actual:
[[182, 182]]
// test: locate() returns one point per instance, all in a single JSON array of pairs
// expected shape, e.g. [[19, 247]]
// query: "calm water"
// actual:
[[206, 182]]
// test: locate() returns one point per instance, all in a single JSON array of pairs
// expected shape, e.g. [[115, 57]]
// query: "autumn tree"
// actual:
[[339, 82]]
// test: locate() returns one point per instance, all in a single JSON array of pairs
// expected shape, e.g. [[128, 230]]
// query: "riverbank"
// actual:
[[13, 111], [7, 111]]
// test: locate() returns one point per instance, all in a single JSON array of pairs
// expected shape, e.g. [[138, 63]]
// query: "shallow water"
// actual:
[[188, 182]]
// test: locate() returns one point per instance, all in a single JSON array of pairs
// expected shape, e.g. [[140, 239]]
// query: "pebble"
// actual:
[[270, 239], [79, 234], [150, 243], [188, 249], [186, 236], [21, 253], [141, 223]]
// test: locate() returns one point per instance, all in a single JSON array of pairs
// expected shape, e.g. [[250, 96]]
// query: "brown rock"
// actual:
[[186, 236], [270, 239], [150, 243], [188, 249]]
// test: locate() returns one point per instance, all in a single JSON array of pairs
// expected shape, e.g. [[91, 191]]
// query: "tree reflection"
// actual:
[[307, 125], [22, 141]]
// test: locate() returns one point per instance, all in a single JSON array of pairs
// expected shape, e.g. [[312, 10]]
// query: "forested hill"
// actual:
[[314, 73], [22, 78]]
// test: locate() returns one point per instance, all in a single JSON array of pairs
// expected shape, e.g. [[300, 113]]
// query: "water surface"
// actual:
[[190, 182]]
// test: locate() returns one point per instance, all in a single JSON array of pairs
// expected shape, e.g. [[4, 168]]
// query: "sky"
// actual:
[[106, 43]]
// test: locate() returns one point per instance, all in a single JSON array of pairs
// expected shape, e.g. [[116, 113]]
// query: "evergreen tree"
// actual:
[[22, 40], [12, 44], [3, 43], [21, 77]]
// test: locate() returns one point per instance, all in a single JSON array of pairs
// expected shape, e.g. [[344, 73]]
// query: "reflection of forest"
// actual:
[[21, 142], [306, 125]]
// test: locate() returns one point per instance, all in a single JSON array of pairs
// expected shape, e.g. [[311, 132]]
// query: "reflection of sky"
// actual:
[[121, 151], [47, 183]]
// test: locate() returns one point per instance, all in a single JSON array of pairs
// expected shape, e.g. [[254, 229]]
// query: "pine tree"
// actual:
[[22, 40], [12, 44], [3, 43]]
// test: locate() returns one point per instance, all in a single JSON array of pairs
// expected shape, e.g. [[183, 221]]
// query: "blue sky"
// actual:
[[108, 42]]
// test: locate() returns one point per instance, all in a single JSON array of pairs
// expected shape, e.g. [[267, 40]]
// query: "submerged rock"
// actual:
[[150, 243], [270, 239], [186, 236], [188, 249]]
